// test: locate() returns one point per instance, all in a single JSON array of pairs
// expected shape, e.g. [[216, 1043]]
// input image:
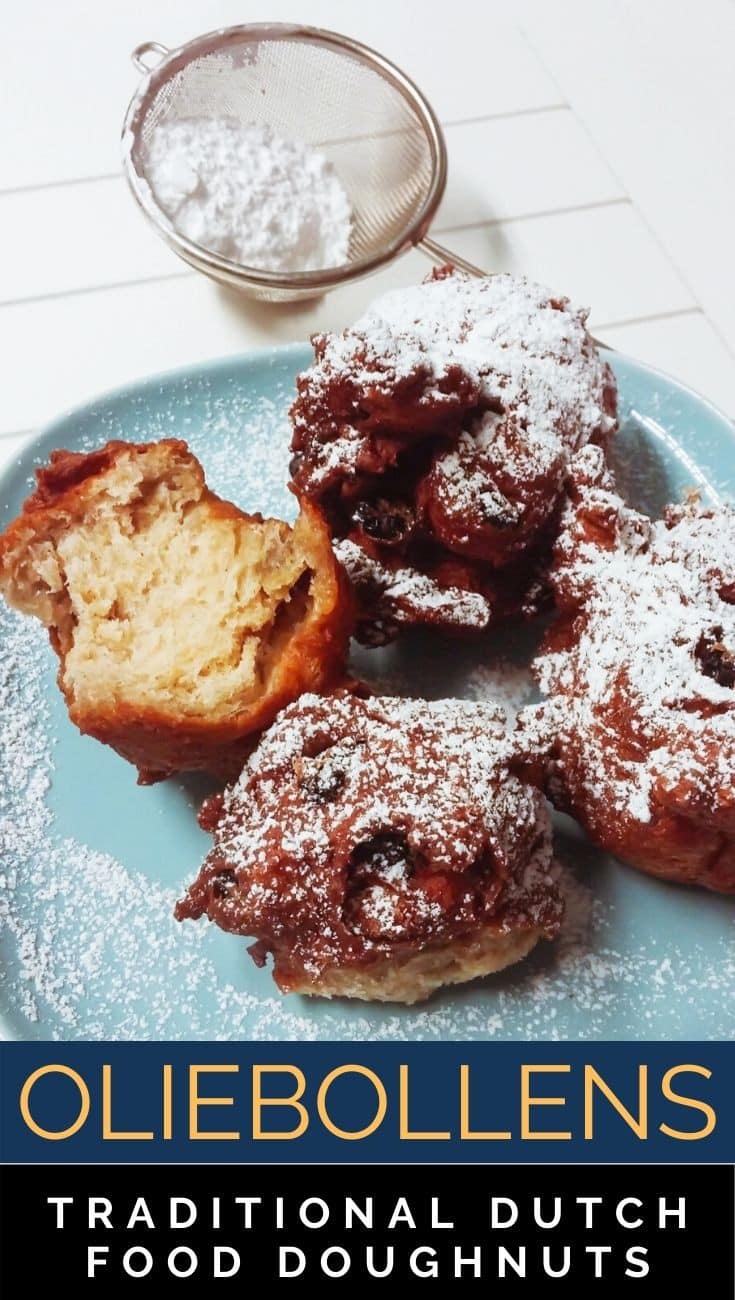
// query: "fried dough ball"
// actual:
[[182, 625], [381, 848], [436, 434], [640, 670]]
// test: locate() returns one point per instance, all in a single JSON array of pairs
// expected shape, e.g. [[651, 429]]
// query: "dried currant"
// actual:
[[714, 659], [322, 782], [381, 855], [389, 522]]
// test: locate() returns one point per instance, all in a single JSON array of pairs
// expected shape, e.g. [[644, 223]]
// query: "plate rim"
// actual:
[[274, 352], [270, 354]]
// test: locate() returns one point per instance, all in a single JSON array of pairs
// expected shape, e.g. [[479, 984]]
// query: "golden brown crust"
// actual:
[[312, 656], [640, 668], [379, 848], [413, 977], [436, 434]]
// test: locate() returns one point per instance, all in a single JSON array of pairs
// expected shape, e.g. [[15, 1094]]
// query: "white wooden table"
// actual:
[[591, 145]]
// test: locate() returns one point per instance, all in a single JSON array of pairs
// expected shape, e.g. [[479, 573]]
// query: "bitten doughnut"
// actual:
[[436, 434], [640, 668], [380, 848], [181, 624]]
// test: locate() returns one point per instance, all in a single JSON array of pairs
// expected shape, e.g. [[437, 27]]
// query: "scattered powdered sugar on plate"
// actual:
[[91, 950], [88, 944]]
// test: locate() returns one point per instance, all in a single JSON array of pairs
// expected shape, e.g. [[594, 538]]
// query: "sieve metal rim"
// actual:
[[237, 273]]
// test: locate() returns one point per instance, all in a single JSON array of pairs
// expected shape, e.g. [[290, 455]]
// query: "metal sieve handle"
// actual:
[[439, 254], [147, 48]]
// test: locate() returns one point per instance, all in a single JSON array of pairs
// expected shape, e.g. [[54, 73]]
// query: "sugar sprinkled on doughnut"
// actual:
[[641, 669], [362, 828]]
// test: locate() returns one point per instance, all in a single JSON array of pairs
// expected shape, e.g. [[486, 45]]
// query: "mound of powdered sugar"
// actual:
[[249, 194]]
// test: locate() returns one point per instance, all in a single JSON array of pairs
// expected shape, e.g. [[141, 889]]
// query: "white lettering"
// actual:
[[220, 1254], [566, 1265], [635, 1257], [496, 1204], [340, 1269], [140, 1214], [59, 1202], [183, 1202], [99, 1210], [96, 1255], [319, 1218], [588, 1202], [370, 1262], [354, 1211], [505, 1259], [620, 1212], [436, 1222], [598, 1252], [185, 1252], [401, 1214], [423, 1262], [130, 1255], [299, 1258], [248, 1202], [473, 1261], [679, 1213], [539, 1219]]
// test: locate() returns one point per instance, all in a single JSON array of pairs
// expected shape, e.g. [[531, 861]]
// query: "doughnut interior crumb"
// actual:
[[160, 598]]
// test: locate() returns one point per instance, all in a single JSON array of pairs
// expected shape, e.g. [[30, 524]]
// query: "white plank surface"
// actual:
[[78, 236], [90, 341], [509, 167], [67, 75], [590, 146], [603, 257], [653, 83]]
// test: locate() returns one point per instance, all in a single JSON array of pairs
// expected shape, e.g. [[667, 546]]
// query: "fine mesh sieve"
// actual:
[[370, 120]]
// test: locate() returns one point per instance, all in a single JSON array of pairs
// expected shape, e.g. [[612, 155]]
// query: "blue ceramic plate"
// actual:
[[90, 864]]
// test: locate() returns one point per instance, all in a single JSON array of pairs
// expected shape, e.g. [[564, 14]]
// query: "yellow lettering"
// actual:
[[692, 1102], [321, 1102], [405, 1132], [466, 1133], [108, 1133], [195, 1101], [527, 1101], [54, 1135], [259, 1101], [594, 1080]]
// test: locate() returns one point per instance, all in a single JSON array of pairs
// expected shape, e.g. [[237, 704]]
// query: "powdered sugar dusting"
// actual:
[[635, 959], [655, 639], [406, 595], [90, 948], [516, 349], [353, 812], [502, 331]]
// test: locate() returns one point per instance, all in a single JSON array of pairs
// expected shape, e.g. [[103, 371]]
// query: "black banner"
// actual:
[[188, 1229]]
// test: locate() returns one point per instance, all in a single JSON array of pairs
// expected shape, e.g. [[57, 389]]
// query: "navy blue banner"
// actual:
[[339, 1102]]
